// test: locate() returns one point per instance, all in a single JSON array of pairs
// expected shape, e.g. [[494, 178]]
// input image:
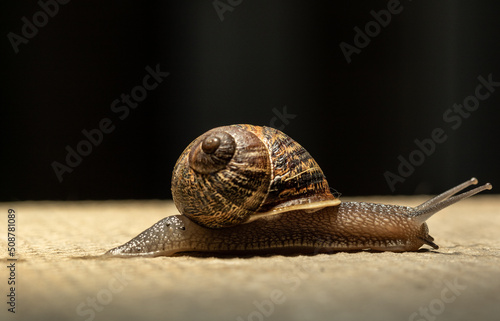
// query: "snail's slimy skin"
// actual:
[[348, 227]]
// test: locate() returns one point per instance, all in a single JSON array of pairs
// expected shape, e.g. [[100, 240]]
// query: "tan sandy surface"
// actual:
[[54, 280]]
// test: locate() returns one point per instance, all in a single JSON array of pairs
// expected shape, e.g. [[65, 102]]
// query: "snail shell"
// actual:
[[235, 174]]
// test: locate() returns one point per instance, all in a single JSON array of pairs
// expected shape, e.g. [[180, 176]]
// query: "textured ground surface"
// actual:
[[57, 277]]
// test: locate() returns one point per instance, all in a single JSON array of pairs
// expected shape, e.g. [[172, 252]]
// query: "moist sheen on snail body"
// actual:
[[252, 190]]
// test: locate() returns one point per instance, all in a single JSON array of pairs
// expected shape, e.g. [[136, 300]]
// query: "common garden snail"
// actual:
[[251, 190]]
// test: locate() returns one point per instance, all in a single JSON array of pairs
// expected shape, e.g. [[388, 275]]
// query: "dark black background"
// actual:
[[355, 119]]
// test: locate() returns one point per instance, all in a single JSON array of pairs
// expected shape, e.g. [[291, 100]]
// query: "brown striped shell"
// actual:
[[235, 174]]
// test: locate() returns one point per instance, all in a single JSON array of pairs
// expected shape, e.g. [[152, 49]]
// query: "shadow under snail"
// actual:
[[251, 190]]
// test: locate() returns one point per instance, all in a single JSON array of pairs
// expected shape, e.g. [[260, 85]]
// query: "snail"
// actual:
[[250, 190]]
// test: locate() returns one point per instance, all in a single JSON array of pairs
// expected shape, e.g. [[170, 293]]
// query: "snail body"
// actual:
[[251, 190]]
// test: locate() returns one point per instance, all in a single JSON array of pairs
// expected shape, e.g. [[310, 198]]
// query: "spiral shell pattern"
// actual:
[[232, 174]]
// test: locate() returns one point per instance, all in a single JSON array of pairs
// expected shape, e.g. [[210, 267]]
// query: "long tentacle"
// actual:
[[424, 213], [447, 194]]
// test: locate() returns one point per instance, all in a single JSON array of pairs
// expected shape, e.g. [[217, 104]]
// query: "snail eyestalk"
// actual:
[[424, 211]]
